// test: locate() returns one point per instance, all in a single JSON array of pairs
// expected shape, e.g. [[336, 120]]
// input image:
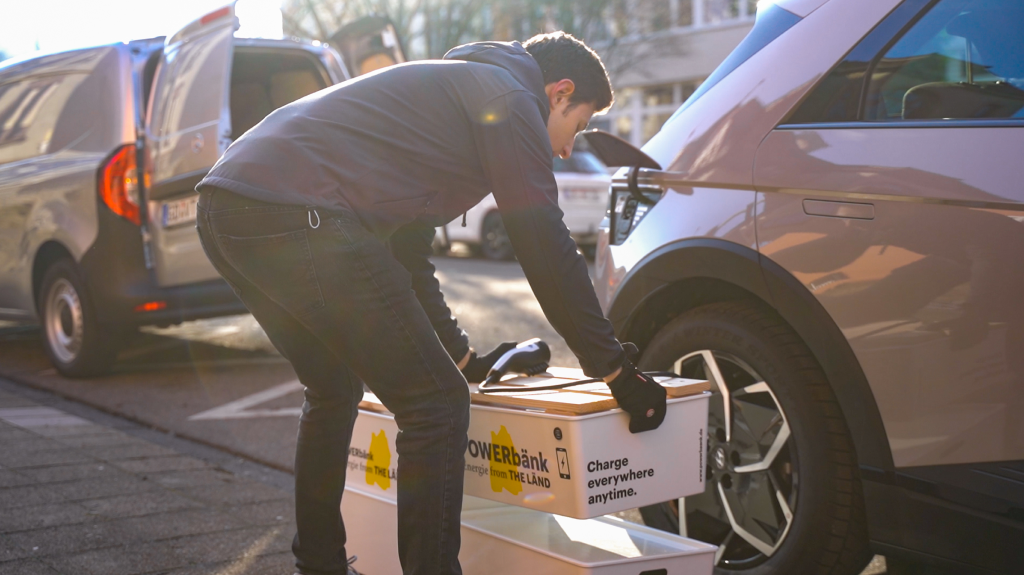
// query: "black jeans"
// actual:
[[335, 302]]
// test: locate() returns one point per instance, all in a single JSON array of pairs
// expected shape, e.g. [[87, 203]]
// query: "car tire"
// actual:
[[76, 341], [784, 463], [494, 242]]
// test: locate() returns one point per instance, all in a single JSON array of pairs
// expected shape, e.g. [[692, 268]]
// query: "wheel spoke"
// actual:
[[715, 374], [681, 505], [781, 437], [773, 452], [720, 552], [738, 529], [745, 509], [765, 547]]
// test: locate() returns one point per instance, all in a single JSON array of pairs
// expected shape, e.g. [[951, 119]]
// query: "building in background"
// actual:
[[657, 51], [669, 48]]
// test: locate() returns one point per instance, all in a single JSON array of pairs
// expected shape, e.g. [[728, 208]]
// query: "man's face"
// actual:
[[566, 119]]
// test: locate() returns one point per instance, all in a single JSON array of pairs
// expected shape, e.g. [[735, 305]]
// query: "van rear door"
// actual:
[[187, 129]]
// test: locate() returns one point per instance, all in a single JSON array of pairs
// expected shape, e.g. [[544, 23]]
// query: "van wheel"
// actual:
[[76, 342], [782, 493], [494, 242]]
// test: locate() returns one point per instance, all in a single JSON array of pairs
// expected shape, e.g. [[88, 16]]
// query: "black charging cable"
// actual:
[[488, 387]]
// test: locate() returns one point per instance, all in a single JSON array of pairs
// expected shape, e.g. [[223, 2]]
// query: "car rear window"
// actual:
[[771, 23]]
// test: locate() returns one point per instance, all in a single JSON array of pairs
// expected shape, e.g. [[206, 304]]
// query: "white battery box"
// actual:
[[499, 539], [567, 452]]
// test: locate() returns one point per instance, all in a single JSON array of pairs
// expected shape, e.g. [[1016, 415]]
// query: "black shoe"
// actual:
[[351, 571]]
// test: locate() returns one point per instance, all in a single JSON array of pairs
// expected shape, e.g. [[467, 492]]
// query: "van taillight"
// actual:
[[119, 184]]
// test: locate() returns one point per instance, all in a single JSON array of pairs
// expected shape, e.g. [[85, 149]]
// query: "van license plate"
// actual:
[[180, 212]]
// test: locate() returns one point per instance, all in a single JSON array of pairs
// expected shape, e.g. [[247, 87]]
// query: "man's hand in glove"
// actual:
[[639, 396], [477, 367]]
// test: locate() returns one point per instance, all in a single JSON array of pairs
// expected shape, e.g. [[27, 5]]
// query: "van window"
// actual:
[[46, 114], [964, 59], [264, 80], [27, 116]]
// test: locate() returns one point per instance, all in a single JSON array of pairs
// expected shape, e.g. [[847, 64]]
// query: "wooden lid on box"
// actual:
[[577, 400]]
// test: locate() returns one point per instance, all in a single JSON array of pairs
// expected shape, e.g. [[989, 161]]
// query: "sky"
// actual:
[[55, 25]]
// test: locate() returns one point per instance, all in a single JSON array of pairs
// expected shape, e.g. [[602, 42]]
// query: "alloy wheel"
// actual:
[[63, 321], [751, 477]]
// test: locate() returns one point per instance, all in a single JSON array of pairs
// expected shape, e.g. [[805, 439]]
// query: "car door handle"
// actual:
[[832, 209]]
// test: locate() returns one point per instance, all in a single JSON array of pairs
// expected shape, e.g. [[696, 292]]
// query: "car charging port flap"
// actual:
[[628, 204], [119, 184]]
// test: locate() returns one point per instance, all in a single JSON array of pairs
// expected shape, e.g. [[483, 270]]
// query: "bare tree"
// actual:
[[319, 19], [429, 28]]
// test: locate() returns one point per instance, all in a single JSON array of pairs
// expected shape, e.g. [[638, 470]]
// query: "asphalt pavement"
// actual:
[[218, 396], [220, 382]]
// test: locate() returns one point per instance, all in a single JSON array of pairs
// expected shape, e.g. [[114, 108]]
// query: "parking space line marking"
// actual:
[[30, 417], [239, 409]]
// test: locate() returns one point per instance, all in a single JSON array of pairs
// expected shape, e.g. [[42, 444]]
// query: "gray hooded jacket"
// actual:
[[413, 146]]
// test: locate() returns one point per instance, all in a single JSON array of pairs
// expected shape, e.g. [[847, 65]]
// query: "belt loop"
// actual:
[[309, 216]]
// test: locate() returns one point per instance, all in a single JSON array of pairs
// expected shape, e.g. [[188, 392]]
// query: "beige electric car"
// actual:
[[100, 150], [836, 241]]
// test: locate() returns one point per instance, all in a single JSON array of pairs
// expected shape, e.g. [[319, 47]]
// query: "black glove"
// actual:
[[639, 396], [477, 367]]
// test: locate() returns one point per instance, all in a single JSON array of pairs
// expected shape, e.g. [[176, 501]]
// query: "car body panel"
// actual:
[[714, 142], [800, 7], [926, 289], [582, 197], [877, 244], [696, 212], [188, 128], [51, 197]]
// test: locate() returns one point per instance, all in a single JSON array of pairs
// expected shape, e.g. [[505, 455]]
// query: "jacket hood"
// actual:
[[510, 56]]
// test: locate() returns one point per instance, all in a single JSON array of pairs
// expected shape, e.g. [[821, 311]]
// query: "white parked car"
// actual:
[[583, 184]]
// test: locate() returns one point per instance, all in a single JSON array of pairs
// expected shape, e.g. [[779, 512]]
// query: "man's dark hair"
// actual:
[[562, 56]]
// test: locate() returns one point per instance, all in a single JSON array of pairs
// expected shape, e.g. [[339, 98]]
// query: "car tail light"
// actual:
[[215, 15], [151, 306], [119, 184]]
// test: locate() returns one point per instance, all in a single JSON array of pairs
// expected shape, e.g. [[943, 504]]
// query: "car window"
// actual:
[[587, 163], [837, 97], [27, 118], [771, 22], [560, 165], [29, 111], [964, 59]]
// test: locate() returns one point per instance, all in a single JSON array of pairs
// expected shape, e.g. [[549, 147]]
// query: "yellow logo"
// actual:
[[379, 461], [504, 475]]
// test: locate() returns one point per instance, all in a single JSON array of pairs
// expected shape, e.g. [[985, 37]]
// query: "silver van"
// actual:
[[835, 239], [100, 149]]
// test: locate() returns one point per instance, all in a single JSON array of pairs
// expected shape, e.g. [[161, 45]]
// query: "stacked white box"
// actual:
[[579, 466], [585, 466], [524, 522], [499, 539]]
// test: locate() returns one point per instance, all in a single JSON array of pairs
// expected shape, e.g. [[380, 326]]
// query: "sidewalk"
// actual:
[[83, 493]]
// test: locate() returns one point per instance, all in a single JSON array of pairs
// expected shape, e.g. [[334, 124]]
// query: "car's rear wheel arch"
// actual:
[[690, 273], [48, 254]]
